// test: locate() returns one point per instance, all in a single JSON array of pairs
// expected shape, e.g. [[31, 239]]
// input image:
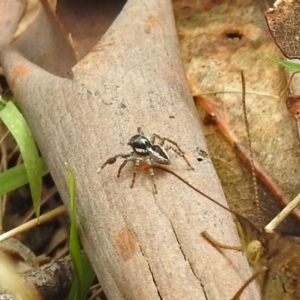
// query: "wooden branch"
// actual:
[[142, 245]]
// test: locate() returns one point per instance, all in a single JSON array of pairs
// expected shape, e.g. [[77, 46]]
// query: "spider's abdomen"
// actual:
[[159, 154]]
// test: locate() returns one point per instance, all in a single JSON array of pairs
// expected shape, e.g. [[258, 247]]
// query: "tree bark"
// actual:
[[142, 245]]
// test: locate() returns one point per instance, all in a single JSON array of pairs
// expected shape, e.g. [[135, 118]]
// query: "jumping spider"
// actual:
[[146, 152]]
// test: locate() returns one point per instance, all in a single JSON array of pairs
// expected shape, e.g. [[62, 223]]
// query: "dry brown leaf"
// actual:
[[214, 51], [284, 24]]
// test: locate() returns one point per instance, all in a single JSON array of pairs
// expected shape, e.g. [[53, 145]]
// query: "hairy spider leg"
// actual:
[[137, 161], [151, 172], [136, 166], [112, 160], [180, 154], [162, 141], [123, 164], [179, 151]]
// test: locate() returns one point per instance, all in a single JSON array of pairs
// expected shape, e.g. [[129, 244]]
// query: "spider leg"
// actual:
[[136, 166], [151, 172], [173, 143], [156, 136], [162, 141], [113, 159], [180, 154], [122, 165]]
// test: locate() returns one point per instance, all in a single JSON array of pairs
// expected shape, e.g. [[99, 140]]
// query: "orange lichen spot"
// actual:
[[126, 243], [18, 72], [151, 22]]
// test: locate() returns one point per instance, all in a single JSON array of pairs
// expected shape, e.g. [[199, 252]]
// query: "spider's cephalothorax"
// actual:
[[146, 152], [141, 145]]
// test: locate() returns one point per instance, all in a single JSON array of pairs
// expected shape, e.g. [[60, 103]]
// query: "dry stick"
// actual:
[[249, 141], [34, 222], [283, 214], [213, 93], [4, 136], [45, 197], [244, 154]]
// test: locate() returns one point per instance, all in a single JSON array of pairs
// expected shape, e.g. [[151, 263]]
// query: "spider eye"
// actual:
[[139, 144]]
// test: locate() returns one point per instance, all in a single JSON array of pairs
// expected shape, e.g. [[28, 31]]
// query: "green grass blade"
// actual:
[[88, 278], [2, 103], [84, 273], [287, 64], [79, 291], [18, 127], [17, 176]]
